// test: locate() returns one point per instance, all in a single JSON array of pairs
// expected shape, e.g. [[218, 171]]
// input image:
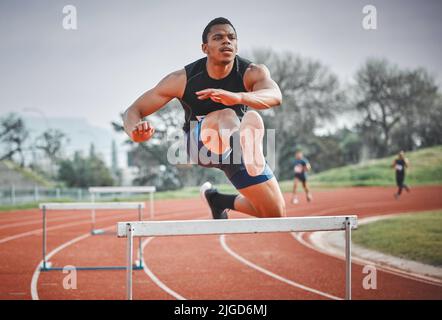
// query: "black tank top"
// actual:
[[198, 79], [400, 165]]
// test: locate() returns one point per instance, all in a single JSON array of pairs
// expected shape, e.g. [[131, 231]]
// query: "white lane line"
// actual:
[[271, 274], [34, 281], [20, 224], [361, 262], [154, 278], [38, 231], [35, 276], [397, 272]]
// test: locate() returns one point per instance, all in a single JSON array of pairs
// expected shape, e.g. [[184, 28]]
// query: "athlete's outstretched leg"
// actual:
[[400, 185], [265, 198], [307, 191], [295, 187]]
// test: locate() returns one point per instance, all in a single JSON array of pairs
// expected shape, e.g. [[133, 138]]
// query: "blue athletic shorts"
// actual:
[[235, 171], [301, 176]]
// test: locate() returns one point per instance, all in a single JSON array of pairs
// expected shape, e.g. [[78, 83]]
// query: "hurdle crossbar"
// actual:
[[235, 226], [129, 189], [138, 189], [90, 205], [47, 265]]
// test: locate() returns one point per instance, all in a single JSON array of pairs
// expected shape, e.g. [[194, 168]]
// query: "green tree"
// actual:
[[51, 143], [394, 104], [13, 134], [84, 172], [350, 144]]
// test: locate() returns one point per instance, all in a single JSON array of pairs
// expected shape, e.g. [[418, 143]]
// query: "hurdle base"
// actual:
[[100, 232], [95, 232], [138, 264], [46, 266], [82, 268]]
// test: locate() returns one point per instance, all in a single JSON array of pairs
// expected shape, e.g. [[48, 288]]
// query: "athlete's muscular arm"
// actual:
[[263, 92], [171, 86]]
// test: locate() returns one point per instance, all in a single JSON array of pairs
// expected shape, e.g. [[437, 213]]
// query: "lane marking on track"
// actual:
[[271, 274], [36, 274], [154, 278], [397, 272], [34, 281], [71, 224], [20, 224], [361, 262], [38, 231], [60, 226]]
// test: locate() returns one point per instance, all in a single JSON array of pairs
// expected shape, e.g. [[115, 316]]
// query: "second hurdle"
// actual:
[[96, 191], [47, 265]]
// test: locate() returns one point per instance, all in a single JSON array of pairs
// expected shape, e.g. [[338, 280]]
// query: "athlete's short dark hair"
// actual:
[[214, 22]]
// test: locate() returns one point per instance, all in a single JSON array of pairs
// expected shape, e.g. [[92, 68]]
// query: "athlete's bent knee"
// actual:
[[280, 210], [276, 210], [249, 112], [227, 113], [229, 116]]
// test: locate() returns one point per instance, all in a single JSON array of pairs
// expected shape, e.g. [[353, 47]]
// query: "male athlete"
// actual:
[[300, 167], [400, 164], [215, 92]]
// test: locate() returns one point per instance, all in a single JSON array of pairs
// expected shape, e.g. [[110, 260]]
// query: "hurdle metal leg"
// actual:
[[140, 252], [93, 214], [94, 220], [129, 260], [44, 238], [347, 259]]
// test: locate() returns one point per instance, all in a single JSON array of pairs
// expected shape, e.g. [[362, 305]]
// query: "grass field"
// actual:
[[415, 236], [425, 169]]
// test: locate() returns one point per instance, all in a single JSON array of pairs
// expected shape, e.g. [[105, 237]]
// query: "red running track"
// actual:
[[255, 266]]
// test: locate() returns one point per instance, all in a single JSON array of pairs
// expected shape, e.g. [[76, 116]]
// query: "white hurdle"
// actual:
[[129, 189], [232, 226], [44, 207]]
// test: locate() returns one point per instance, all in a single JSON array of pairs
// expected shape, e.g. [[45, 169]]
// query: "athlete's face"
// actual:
[[221, 44], [298, 155]]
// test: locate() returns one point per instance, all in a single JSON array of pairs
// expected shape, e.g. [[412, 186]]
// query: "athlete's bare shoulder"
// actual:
[[256, 73], [178, 74], [173, 84], [257, 70]]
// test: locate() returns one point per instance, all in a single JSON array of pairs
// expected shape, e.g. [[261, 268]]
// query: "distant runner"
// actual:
[[301, 166], [400, 165]]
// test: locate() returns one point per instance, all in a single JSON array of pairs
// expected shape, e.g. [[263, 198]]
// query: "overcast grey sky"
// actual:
[[122, 48]]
